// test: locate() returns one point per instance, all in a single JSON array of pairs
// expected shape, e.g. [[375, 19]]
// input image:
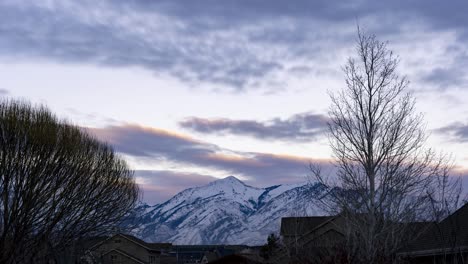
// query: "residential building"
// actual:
[[443, 242], [127, 249]]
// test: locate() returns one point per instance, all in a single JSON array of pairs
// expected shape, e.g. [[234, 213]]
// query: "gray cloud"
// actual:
[[299, 127], [445, 77], [451, 75], [245, 11], [116, 36], [163, 146], [4, 92], [260, 169], [457, 131], [160, 185], [232, 43]]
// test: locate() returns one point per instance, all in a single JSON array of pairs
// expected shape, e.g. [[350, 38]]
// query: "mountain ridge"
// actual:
[[225, 211]]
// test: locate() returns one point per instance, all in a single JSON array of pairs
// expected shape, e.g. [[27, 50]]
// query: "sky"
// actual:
[[191, 91]]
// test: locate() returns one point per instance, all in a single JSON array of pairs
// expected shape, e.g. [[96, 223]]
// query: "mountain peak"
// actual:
[[230, 181], [225, 211]]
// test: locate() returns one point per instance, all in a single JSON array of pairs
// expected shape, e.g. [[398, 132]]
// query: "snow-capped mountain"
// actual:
[[225, 211]]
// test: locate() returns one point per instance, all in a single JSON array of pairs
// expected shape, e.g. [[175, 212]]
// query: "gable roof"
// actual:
[[149, 246], [291, 226], [124, 254], [152, 246], [446, 236], [309, 229]]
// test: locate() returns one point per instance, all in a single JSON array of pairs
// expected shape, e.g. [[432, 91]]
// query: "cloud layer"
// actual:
[[234, 44], [160, 185], [457, 131], [156, 145], [187, 156], [299, 127]]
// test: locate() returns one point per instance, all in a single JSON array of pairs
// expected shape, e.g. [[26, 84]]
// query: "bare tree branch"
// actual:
[[57, 185], [386, 178]]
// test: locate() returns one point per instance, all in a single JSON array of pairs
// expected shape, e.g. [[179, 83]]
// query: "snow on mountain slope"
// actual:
[[225, 211]]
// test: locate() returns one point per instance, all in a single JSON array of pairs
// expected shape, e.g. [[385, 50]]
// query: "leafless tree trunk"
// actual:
[[386, 177], [57, 185]]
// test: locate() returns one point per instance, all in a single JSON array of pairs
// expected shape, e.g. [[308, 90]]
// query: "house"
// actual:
[[307, 238], [316, 231], [122, 248], [442, 242], [323, 238]]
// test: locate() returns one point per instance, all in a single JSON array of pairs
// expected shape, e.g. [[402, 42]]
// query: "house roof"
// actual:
[[301, 225], [126, 255], [149, 246], [449, 234], [153, 246], [306, 227]]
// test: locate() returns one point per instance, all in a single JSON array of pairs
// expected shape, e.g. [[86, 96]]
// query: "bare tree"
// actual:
[[386, 178], [58, 184]]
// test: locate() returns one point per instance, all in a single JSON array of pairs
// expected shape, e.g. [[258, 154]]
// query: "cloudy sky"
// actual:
[[191, 91]]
